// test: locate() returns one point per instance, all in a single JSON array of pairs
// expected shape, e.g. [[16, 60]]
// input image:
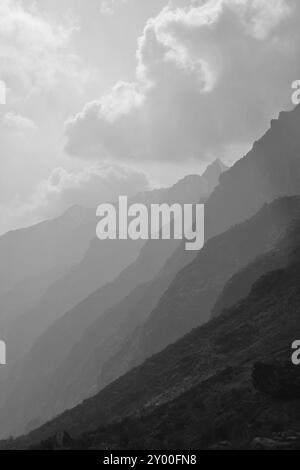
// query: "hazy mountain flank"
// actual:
[[205, 387], [54, 345], [270, 170]]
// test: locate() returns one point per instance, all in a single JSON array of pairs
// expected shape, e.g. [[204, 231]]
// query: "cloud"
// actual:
[[33, 53], [18, 123], [209, 77], [88, 187], [63, 189]]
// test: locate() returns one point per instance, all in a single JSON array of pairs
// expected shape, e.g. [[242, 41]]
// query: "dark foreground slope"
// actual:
[[200, 389], [250, 393]]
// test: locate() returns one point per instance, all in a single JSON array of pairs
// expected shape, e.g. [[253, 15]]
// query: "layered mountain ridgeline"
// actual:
[[31, 381], [253, 401], [32, 258], [207, 387], [53, 346], [101, 263], [66, 377], [270, 170], [260, 177], [239, 286], [189, 300], [76, 377], [35, 251], [189, 189]]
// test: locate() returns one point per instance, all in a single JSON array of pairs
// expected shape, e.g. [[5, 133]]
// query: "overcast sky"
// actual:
[[110, 96]]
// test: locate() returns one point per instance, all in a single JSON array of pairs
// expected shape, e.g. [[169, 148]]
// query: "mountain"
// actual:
[[270, 170], [76, 377], [205, 387], [260, 177], [190, 298], [239, 286], [54, 345], [190, 188], [101, 263], [56, 244], [35, 257]]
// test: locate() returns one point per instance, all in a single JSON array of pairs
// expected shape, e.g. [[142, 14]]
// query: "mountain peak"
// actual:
[[213, 172], [216, 166]]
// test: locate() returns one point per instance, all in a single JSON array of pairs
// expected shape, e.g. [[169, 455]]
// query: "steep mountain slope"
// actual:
[[260, 177], [198, 187], [270, 170], [33, 258], [54, 345], [190, 298], [23, 297], [52, 245], [255, 179], [226, 405], [76, 378], [239, 286], [200, 389], [102, 262]]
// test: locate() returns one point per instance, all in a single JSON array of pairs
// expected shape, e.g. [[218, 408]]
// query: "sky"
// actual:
[[108, 97]]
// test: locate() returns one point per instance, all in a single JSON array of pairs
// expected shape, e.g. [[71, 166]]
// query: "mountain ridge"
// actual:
[[186, 378]]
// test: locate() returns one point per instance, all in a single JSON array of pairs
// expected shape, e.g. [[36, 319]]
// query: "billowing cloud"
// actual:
[[18, 123], [43, 80], [33, 50], [63, 189], [210, 76], [88, 187]]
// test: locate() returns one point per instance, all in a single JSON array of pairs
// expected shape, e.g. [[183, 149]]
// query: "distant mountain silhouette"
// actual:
[[35, 251], [243, 189], [101, 263], [35, 257], [270, 170], [190, 188], [206, 386], [53, 346]]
